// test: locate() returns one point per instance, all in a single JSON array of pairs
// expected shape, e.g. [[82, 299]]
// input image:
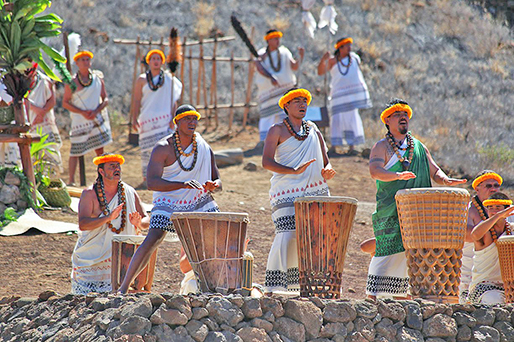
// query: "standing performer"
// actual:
[[487, 285], [41, 114], [275, 77], [153, 107], [348, 94], [183, 174], [90, 126], [486, 183], [397, 162], [289, 150], [108, 207]]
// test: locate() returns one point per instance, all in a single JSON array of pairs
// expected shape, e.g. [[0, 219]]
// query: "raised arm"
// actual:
[[483, 227], [325, 64], [136, 105], [295, 63], [377, 162], [438, 175], [214, 184]]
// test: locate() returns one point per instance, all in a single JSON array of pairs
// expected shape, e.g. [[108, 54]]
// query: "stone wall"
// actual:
[[171, 317], [10, 194]]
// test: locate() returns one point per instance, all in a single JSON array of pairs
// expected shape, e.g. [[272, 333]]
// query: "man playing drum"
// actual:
[[294, 150], [153, 107], [486, 183], [486, 284], [107, 208], [399, 161], [183, 174]]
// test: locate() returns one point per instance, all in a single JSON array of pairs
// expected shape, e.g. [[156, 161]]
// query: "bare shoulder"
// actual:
[[380, 145], [88, 194]]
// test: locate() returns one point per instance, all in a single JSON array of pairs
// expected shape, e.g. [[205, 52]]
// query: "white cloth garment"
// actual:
[[268, 94], [465, 271], [388, 276], [348, 93], [89, 135], [486, 276], [327, 17], [39, 96], [91, 258], [155, 116], [282, 269]]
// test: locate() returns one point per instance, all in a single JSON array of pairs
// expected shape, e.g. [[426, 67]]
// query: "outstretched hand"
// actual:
[[406, 175], [135, 218], [210, 186], [506, 212], [303, 167], [454, 181], [116, 212], [328, 173]]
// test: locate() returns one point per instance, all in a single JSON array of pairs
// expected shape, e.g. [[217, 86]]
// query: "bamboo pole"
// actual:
[[232, 88], [182, 62], [222, 59], [251, 70], [190, 43]]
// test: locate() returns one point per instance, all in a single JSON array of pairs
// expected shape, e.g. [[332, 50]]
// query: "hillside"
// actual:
[[450, 61]]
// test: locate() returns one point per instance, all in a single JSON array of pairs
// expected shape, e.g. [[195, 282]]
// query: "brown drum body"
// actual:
[[123, 248], [505, 246], [433, 223], [323, 225], [214, 245]]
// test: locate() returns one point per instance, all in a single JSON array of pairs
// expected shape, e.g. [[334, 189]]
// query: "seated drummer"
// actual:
[[399, 161], [486, 183], [486, 282], [182, 173], [109, 207]]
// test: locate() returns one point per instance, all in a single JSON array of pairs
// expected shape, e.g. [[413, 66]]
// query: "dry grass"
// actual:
[[280, 22], [371, 48], [204, 22], [499, 67], [369, 5]]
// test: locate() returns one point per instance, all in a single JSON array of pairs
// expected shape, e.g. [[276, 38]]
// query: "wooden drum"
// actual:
[[505, 246], [323, 227], [433, 223], [214, 244], [123, 248]]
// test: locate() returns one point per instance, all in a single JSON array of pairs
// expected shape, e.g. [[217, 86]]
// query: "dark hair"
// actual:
[[336, 51], [290, 90], [184, 108], [499, 196], [483, 172], [271, 31]]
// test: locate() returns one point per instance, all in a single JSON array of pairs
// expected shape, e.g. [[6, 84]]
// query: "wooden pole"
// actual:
[[182, 62], [133, 137], [232, 88], [204, 88], [251, 70], [190, 43], [214, 89], [199, 79], [82, 164], [190, 80]]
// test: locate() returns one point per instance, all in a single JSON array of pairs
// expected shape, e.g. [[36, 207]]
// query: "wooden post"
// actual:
[[190, 79], [133, 137], [82, 164], [182, 62], [204, 88], [251, 70], [232, 88], [213, 100], [199, 78]]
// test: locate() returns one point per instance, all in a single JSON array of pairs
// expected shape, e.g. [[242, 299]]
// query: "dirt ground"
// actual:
[[34, 262]]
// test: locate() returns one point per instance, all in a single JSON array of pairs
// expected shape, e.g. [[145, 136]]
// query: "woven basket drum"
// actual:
[[505, 246], [123, 248], [56, 194], [433, 225], [214, 244], [323, 227]]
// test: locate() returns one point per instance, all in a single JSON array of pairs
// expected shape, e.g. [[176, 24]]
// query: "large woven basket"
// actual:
[[6, 115], [433, 217], [505, 246], [56, 194]]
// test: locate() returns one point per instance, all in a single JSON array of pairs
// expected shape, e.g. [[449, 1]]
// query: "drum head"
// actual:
[[327, 199], [422, 191], [506, 239], [132, 239], [219, 216]]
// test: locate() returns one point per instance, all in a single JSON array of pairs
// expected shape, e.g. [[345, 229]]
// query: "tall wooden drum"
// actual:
[[214, 245], [433, 223], [505, 246], [323, 227], [123, 248]]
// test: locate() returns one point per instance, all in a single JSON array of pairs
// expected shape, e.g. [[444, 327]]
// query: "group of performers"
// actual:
[[179, 166]]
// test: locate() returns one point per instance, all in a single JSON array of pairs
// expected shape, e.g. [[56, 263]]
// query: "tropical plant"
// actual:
[[21, 34], [38, 151]]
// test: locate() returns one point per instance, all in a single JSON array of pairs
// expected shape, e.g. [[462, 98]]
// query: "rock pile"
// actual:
[[202, 318], [10, 194]]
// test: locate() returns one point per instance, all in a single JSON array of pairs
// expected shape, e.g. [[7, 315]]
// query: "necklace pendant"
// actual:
[[405, 165]]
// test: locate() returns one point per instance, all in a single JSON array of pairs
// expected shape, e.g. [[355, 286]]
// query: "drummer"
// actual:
[[486, 183], [294, 150], [183, 174], [486, 283], [399, 161], [109, 207]]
